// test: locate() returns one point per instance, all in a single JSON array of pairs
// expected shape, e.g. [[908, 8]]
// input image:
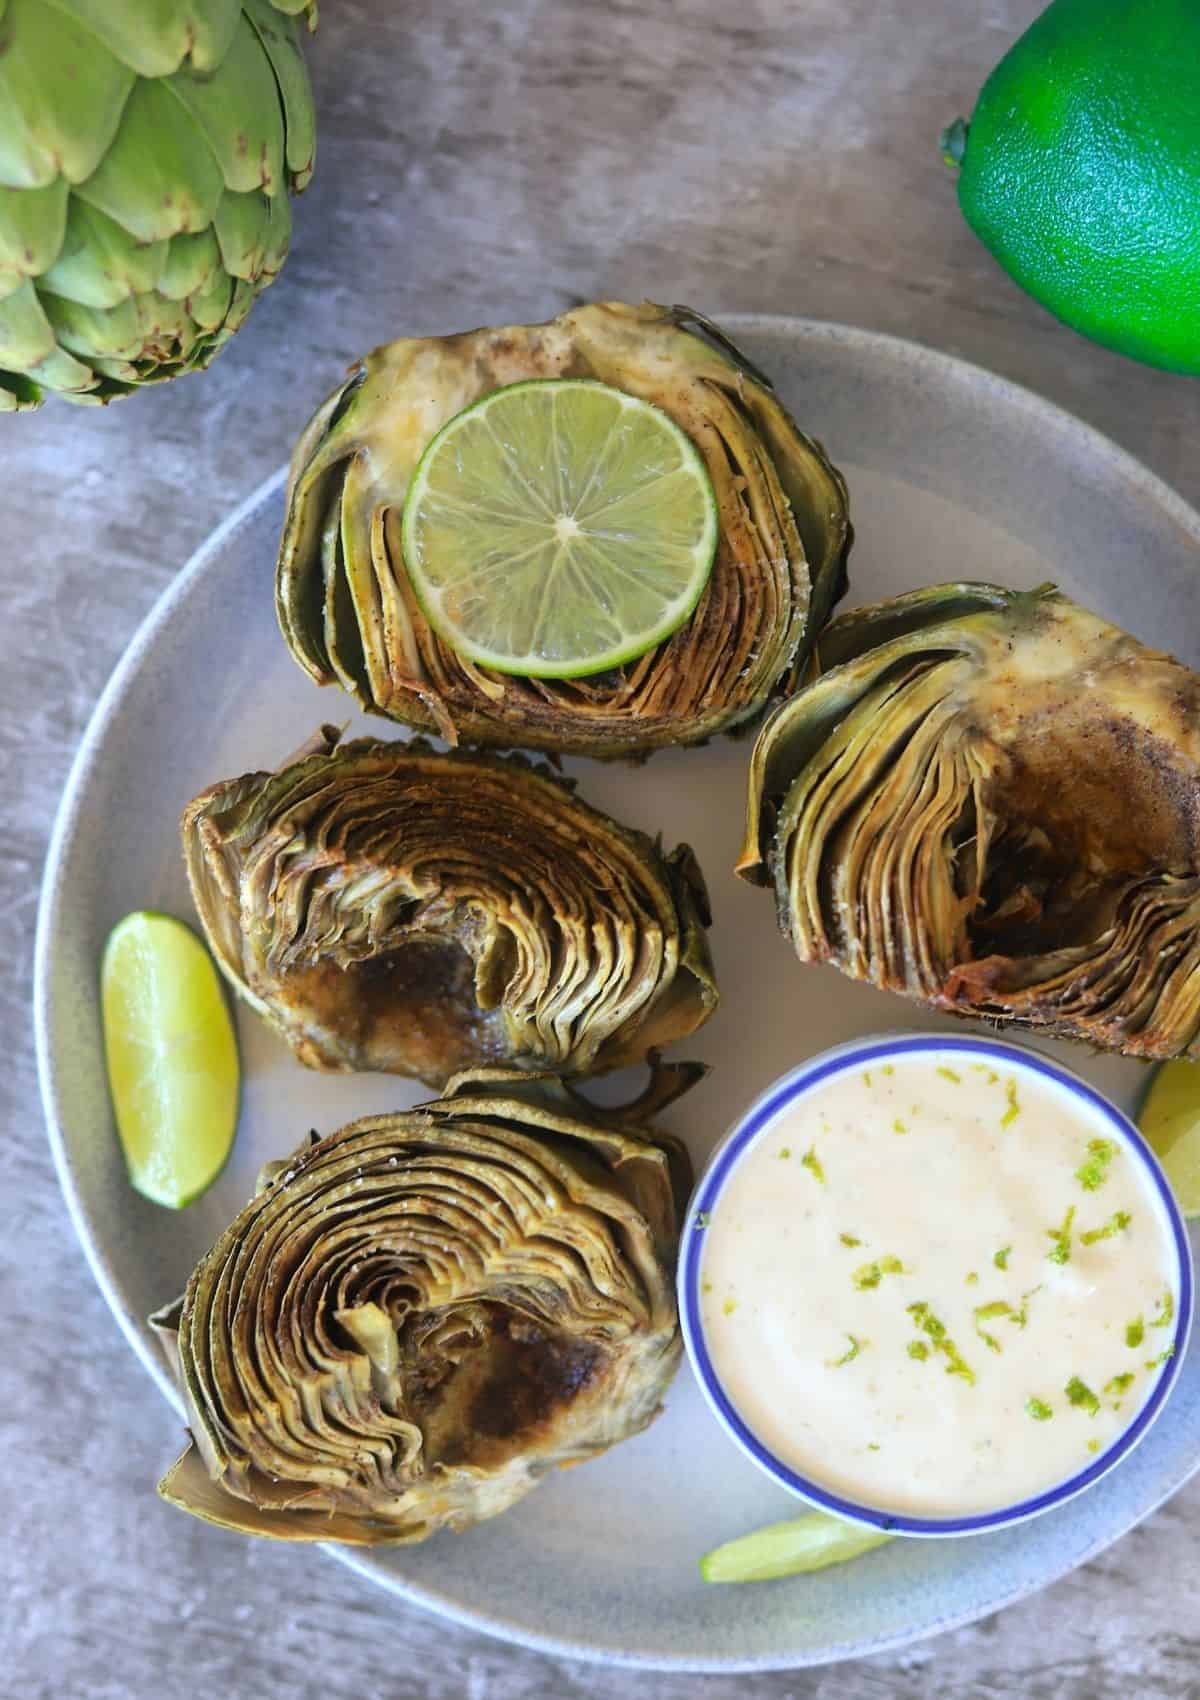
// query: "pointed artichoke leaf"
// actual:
[[159, 176], [237, 110], [62, 96], [156, 36], [281, 43], [32, 227]]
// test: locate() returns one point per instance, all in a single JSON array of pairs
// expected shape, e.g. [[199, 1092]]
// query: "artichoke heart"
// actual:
[[990, 801], [421, 1314], [347, 608], [385, 906]]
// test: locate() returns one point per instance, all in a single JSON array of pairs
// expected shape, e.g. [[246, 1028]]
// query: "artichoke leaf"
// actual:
[[62, 97], [156, 36]]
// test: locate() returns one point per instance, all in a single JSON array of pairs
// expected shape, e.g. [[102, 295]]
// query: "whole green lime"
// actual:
[[1081, 172]]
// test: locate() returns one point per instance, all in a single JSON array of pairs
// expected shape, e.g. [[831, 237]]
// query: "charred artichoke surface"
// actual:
[[990, 801], [347, 609], [419, 1315], [385, 906]]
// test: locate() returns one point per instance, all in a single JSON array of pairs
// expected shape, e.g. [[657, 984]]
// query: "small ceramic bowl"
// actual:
[[761, 1116]]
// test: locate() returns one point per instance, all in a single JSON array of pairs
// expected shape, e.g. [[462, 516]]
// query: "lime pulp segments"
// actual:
[[559, 527], [172, 1057]]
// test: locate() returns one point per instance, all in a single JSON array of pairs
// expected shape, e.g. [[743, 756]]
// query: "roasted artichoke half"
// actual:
[[421, 1314], [386, 906], [347, 609], [990, 801]]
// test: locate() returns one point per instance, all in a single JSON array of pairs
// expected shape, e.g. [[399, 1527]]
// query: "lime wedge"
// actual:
[[1170, 1119], [559, 527], [172, 1057], [785, 1549]]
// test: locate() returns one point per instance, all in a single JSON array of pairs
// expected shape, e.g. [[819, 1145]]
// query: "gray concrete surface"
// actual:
[[479, 163]]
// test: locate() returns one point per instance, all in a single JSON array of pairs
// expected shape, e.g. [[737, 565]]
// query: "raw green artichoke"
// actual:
[[146, 151], [991, 802], [422, 1314], [388, 907], [348, 612]]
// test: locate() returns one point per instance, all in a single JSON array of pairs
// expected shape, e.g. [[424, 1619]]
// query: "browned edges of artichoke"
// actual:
[[347, 610], [421, 1314], [388, 907], [990, 801]]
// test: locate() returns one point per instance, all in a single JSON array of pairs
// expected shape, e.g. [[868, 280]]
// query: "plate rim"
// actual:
[[949, 368]]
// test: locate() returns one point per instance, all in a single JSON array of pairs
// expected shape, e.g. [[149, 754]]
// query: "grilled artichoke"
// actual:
[[348, 612], [146, 152], [388, 907], [421, 1314], [991, 802]]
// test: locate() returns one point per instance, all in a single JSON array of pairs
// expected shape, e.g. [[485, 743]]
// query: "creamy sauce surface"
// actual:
[[937, 1286]]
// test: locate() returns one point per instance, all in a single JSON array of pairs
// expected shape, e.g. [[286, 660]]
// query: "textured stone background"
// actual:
[[479, 163]]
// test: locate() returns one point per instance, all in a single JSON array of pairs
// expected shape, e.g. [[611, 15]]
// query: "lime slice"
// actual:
[[785, 1549], [1170, 1119], [559, 527], [172, 1057]]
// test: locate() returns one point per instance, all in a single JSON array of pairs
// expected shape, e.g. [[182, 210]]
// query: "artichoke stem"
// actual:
[[953, 142]]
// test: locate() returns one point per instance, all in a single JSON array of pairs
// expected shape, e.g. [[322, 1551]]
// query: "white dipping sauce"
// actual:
[[937, 1287]]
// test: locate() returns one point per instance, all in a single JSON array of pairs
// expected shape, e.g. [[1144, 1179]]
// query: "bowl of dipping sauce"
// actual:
[[935, 1285]]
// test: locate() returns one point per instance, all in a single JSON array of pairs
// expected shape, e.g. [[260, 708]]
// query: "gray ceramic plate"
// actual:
[[953, 474]]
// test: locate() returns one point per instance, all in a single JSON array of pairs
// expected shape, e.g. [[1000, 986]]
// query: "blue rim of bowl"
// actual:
[[761, 1113]]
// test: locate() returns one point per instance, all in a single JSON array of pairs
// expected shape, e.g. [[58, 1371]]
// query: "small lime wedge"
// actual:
[[785, 1549], [559, 527], [1170, 1119], [172, 1057]]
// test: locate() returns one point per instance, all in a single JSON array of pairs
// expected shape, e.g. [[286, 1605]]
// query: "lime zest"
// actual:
[[987, 1313], [1060, 1252], [1039, 1410], [869, 1275], [849, 1239], [1010, 1097], [1116, 1224], [1165, 1314], [1000, 1258], [1135, 1332], [1081, 1396], [1093, 1171], [848, 1356], [812, 1163], [935, 1328]]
